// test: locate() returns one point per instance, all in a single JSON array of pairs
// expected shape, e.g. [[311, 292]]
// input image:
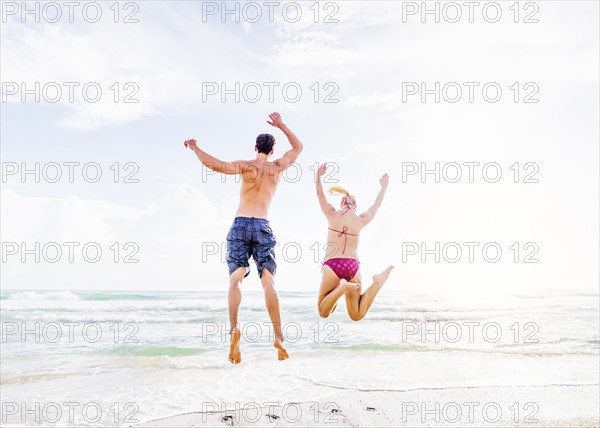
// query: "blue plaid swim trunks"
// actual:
[[251, 237]]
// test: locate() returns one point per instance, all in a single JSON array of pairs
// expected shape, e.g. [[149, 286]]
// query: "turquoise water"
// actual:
[[154, 354]]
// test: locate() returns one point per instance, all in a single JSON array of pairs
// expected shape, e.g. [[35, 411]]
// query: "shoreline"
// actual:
[[498, 406]]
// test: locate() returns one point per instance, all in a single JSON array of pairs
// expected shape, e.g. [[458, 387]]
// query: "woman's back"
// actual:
[[342, 235]]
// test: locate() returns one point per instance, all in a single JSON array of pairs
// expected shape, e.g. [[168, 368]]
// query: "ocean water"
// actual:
[[117, 358]]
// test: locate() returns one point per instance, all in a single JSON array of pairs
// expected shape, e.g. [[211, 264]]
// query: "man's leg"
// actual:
[[263, 253], [238, 253], [235, 299], [272, 301]]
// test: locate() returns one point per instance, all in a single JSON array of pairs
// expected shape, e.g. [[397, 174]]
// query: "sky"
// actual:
[[502, 101]]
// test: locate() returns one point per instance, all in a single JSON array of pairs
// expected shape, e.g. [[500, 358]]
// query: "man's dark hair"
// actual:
[[265, 143]]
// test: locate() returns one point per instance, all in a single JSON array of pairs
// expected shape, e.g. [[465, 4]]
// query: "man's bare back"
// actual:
[[259, 183]]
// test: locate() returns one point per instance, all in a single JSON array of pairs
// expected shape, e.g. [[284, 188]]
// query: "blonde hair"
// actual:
[[347, 199]]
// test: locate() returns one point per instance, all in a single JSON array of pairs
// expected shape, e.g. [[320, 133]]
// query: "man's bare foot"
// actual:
[[235, 356], [281, 352], [380, 278], [347, 286]]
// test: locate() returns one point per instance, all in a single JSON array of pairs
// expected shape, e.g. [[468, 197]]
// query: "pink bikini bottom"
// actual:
[[343, 268]]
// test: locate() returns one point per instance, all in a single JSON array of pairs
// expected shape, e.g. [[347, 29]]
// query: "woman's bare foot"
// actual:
[[281, 352], [380, 278], [235, 356], [347, 286]]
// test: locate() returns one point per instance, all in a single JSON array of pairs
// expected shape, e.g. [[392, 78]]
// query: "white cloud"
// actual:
[[368, 53], [170, 232], [163, 55]]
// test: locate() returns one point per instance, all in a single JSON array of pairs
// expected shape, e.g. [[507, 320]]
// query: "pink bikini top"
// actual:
[[344, 233]]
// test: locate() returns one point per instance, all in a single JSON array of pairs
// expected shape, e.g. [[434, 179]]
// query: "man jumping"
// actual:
[[251, 234]]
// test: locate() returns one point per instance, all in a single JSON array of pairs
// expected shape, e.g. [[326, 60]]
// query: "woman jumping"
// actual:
[[341, 270]]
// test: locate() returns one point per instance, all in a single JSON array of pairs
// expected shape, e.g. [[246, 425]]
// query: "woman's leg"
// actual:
[[332, 288], [357, 302]]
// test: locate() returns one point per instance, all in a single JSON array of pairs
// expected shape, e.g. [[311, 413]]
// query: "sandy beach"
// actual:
[[541, 406]]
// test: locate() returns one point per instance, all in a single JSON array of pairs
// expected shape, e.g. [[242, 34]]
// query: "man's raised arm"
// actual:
[[291, 155], [215, 164]]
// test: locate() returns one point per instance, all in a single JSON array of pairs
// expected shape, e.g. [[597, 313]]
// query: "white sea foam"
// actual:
[[175, 357]]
